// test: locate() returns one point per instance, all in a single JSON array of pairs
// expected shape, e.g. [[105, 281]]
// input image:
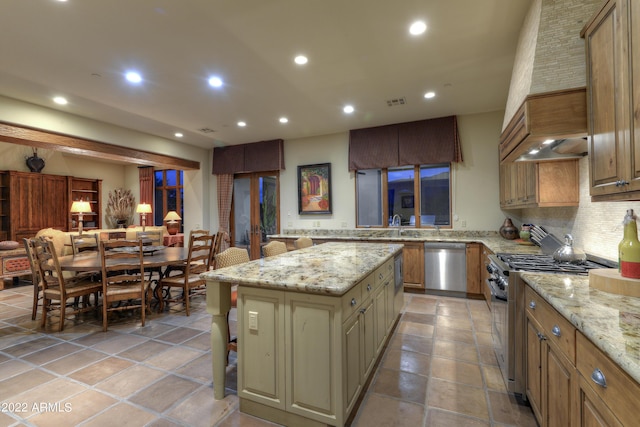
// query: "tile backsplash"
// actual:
[[596, 227]]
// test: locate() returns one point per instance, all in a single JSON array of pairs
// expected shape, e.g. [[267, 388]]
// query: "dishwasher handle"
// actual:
[[445, 245]]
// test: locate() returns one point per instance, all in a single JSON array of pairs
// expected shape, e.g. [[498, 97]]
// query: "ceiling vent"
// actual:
[[396, 101], [206, 130]]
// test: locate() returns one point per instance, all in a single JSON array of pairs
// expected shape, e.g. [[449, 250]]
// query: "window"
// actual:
[[168, 194], [422, 203]]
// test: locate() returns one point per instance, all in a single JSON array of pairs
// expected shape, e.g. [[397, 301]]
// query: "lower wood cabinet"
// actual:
[[307, 357], [413, 254], [474, 261]]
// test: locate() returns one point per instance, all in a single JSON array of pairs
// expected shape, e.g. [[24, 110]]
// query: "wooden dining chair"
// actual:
[[123, 278], [84, 242], [303, 242], [57, 287], [274, 248], [29, 247], [150, 238], [228, 257], [116, 235], [199, 260]]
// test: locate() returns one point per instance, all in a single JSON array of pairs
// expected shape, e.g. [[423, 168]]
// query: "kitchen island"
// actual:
[[311, 325]]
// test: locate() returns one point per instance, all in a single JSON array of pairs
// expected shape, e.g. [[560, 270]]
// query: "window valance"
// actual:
[[421, 142], [254, 157]]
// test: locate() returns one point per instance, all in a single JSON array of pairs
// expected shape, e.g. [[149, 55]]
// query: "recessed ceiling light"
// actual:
[[301, 59], [60, 100], [215, 81], [242, 124], [429, 95], [417, 28], [283, 120], [133, 77], [178, 135], [548, 141], [534, 151], [348, 109]]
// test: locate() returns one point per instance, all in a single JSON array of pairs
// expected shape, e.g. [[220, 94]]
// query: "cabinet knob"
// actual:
[[363, 310], [598, 377], [556, 330], [380, 276], [532, 305], [353, 302], [369, 288]]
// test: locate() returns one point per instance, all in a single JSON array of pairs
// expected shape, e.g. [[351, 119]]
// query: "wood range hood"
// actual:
[[559, 115]]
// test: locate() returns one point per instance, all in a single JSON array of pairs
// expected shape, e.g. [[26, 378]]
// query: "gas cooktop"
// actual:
[[546, 264]]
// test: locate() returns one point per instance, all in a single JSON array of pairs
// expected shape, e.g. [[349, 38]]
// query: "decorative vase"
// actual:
[[508, 230], [35, 163]]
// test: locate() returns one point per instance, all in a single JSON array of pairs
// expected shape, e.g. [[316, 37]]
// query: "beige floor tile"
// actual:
[[6, 420], [239, 419], [456, 371], [415, 343], [130, 380], [454, 311], [144, 351], [178, 335], [407, 361], [427, 319], [121, 414], [52, 353], [202, 410], [419, 329], [484, 338], [30, 346], [24, 381], [200, 342], [199, 369], [450, 334], [381, 411], [101, 370], [76, 409], [173, 358], [13, 367], [454, 322], [439, 418], [120, 343], [456, 397], [401, 385], [164, 393], [493, 378], [482, 325], [487, 355], [506, 409], [420, 306], [49, 393], [75, 361], [455, 350]]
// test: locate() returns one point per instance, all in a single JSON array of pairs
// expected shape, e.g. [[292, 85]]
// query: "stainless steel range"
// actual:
[[507, 306]]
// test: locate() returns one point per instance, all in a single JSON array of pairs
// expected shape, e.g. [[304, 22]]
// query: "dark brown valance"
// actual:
[[421, 142], [255, 157]]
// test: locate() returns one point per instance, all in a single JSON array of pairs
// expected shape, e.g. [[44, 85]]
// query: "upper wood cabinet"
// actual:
[[612, 39], [539, 184]]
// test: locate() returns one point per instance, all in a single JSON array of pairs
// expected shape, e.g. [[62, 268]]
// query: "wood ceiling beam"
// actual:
[[84, 147]]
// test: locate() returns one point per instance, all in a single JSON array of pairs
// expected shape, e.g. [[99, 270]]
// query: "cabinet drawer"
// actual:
[[620, 393], [384, 272], [352, 300], [556, 328], [369, 285]]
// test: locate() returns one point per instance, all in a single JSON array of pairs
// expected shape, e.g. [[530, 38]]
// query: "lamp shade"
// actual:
[[143, 208], [172, 216], [80, 206]]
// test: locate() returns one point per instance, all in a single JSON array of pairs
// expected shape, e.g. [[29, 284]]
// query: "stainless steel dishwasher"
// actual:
[[445, 267]]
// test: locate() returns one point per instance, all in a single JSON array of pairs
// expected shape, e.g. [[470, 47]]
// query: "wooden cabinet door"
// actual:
[[369, 348], [26, 204], [413, 254], [381, 305], [592, 411], [353, 356], [534, 367], [558, 374], [507, 191], [473, 268], [55, 203], [526, 183]]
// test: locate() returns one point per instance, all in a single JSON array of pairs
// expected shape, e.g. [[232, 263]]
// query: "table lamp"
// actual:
[[143, 209], [80, 207], [172, 219]]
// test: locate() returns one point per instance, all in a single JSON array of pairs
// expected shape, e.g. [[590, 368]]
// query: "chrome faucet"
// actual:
[[396, 220]]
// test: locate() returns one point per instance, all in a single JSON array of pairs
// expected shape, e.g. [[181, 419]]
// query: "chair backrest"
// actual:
[[200, 257], [47, 261], [199, 233], [84, 242], [231, 256], [150, 238], [274, 248], [29, 247], [122, 261], [116, 235], [303, 242]]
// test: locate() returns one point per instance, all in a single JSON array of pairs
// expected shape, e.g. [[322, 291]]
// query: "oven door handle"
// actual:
[[494, 293]]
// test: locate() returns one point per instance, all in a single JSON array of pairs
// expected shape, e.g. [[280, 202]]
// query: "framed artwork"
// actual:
[[314, 189], [406, 201]]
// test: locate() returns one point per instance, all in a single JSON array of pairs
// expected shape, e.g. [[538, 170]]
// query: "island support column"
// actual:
[[218, 305]]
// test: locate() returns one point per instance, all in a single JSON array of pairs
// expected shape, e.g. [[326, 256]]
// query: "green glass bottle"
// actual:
[[629, 248]]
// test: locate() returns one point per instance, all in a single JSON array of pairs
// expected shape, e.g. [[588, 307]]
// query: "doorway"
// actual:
[[256, 210]]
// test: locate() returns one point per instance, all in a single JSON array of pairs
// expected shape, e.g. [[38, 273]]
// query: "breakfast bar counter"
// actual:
[[311, 325]]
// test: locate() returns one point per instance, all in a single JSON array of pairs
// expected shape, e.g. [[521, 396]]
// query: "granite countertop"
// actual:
[[610, 321], [490, 239], [328, 269]]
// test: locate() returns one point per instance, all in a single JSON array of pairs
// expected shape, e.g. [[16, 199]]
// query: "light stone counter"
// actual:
[[610, 321], [490, 239], [330, 269]]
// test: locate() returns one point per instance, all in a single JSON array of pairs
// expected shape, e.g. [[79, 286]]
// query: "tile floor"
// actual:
[[437, 370]]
